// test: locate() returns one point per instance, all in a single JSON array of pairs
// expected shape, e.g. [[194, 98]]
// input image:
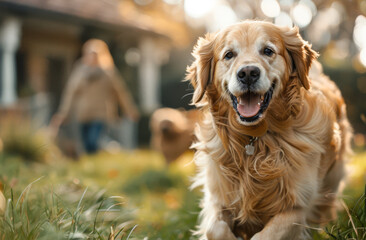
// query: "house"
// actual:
[[41, 39]]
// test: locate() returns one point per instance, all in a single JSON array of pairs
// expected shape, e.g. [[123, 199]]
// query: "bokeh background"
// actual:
[[151, 43]]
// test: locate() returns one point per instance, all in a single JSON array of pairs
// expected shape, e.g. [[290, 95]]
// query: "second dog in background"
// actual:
[[172, 131]]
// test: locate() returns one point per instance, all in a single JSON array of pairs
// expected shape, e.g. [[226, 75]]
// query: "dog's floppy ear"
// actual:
[[300, 52], [201, 71]]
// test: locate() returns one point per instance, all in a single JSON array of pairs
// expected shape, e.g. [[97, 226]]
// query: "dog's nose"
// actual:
[[166, 127], [248, 74]]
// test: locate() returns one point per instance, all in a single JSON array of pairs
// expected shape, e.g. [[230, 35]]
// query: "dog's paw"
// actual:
[[257, 236], [263, 236], [220, 231]]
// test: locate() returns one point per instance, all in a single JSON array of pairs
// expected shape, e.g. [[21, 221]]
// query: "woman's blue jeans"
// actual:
[[90, 134]]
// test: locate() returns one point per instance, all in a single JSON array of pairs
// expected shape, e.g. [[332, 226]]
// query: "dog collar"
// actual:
[[254, 132], [257, 130]]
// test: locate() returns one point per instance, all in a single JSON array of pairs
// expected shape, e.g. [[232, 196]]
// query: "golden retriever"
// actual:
[[274, 137]]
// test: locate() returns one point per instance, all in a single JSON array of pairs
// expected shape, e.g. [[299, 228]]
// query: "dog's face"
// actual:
[[249, 65]]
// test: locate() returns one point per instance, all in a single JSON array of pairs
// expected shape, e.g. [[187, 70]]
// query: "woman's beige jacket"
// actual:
[[94, 94]]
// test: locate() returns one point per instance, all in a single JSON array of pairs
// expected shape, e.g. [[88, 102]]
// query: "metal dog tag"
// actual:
[[249, 149]]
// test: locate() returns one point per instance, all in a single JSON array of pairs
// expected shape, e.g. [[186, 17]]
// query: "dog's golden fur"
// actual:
[[293, 176]]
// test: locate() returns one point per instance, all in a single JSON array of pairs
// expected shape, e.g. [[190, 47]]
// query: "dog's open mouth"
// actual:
[[250, 106]]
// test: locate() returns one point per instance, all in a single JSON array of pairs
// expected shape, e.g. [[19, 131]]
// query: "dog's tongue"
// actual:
[[249, 104]]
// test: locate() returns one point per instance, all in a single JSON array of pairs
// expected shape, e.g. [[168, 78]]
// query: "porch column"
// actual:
[[10, 30], [153, 54]]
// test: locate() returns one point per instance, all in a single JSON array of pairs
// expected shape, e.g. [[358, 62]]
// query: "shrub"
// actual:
[[19, 138]]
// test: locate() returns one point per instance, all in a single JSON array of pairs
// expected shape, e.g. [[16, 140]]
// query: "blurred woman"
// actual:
[[93, 93]]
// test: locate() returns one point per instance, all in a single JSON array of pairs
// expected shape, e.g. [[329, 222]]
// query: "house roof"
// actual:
[[110, 13]]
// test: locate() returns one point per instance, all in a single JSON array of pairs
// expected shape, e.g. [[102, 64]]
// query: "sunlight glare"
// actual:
[[310, 4], [198, 8], [286, 3], [270, 8], [302, 15], [223, 16], [133, 56], [363, 57], [283, 20], [359, 32]]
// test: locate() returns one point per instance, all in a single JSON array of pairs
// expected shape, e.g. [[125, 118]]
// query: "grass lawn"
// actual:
[[98, 196], [126, 195]]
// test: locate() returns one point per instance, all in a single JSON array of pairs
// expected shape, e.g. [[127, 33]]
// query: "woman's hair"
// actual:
[[100, 49]]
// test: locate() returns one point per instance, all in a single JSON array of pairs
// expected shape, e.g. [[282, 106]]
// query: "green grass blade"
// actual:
[[26, 190], [128, 237]]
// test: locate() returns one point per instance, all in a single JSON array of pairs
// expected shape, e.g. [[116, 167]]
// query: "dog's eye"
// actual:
[[269, 52], [229, 55]]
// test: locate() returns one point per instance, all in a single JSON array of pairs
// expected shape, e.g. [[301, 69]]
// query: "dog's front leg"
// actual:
[[220, 230], [216, 219], [284, 226], [216, 223]]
